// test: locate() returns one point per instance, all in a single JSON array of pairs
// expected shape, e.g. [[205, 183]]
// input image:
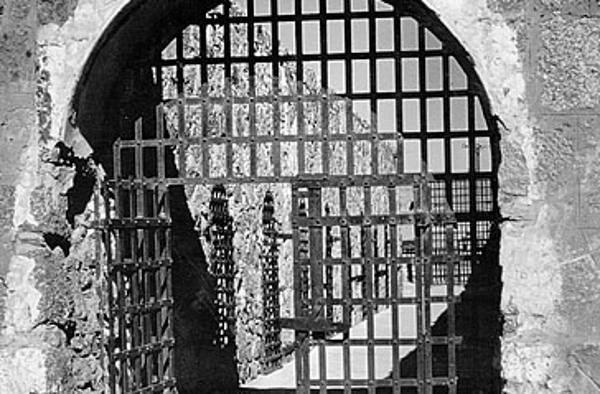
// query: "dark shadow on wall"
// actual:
[[115, 89], [200, 365]]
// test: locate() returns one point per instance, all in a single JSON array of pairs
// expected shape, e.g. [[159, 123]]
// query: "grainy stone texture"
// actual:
[[568, 62], [49, 338], [549, 254], [539, 61]]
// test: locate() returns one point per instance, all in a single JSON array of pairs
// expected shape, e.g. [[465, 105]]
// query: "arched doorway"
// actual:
[[371, 114]]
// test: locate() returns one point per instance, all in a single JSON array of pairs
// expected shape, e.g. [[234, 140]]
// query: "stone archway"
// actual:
[[63, 78]]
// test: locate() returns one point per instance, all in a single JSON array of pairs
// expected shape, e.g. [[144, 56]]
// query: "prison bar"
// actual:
[[222, 265], [270, 284]]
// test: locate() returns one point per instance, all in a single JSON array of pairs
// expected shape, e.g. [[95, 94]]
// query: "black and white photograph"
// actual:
[[300, 196]]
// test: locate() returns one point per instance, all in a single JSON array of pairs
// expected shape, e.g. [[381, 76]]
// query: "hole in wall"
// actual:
[[54, 241], [84, 181]]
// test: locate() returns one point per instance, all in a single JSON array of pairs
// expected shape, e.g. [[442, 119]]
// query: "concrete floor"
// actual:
[[285, 377]]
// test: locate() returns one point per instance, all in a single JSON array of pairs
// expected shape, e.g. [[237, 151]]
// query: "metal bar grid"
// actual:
[[139, 294], [270, 275], [311, 267], [223, 266], [300, 236], [316, 221], [140, 298]]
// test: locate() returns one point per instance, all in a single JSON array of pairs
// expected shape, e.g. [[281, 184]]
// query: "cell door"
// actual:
[[356, 316], [138, 241]]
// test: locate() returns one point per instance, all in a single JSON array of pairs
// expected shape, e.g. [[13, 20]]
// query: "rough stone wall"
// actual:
[[49, 304], [540, 63], [20, 348]]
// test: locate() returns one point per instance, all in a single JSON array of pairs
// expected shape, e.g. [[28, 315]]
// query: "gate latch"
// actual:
[[313, 324]]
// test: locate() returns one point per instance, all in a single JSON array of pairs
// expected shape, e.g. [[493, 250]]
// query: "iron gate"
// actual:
[[326, 360], [140, 301], [326, 118], [138, 243]]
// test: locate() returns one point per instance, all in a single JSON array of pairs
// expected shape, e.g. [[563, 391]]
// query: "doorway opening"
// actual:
[[303, 196]]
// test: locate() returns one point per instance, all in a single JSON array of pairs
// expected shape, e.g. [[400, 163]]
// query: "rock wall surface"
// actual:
[[50, 333], [540, 63]]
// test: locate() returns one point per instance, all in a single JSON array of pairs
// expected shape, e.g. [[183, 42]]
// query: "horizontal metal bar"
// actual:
[[149, 348], [136, 223], [358, 383], [219, 139], [313, 324], [221, 19], [330, 96], [141, 308], [318, 180], [150, 264], [332, 261], [155, 388], [440, 260], [388, 300], [404, 341]]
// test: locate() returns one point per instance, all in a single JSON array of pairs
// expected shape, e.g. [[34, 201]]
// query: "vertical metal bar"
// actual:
[[181, 131], [300, 88], [346, 290], [369, 275], [349, 105], [252, 86], [473, 167], [418, 276], [205, 100], [446, 127], [137, 204], [392, 260], [450, 264], [399, 110], [155, 319], [160, 135], [228, 91], [376, 267], [169, 285], [115, 280], [147, 297], [328, 267], [300, 337], [275, 100], [157, 272], [373, 127], [324, 89], [426, 286], [110, 283], [316, 274], [423, 99]]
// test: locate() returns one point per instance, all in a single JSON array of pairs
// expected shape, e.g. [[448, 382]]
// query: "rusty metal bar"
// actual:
[[395, 293], [270, 275], [367, 254], [142, 260], [451, 313], [222, 264]]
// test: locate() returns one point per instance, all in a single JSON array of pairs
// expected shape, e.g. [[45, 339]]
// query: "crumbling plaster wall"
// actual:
[[540, 63], [49, 305]]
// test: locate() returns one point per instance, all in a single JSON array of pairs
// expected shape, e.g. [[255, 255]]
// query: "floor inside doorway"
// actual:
[[284, 378]]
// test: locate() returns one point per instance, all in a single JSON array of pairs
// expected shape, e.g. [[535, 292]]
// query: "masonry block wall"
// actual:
[[540, 63]]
